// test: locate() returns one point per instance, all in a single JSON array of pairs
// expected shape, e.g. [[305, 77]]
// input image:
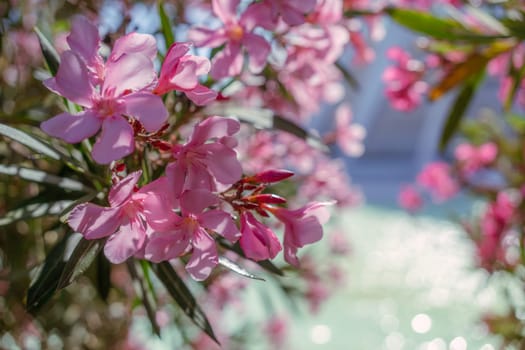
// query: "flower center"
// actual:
[[108, 107], [235, 32]]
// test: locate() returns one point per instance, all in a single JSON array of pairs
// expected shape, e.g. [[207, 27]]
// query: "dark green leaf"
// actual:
[[237, 268], [34, 210], [265, 119], [265, 264], [29, 141], [457, 111], [169, 38], [145, 294], [83, 255], [183, 297], [103, 276], [348, 76], [49, 52], [45, 285], [43, 177], [438, 28]]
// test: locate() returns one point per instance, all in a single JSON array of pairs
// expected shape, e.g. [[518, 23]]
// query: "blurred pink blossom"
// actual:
[[436, 178], [404, 87], [472, 158], [276, 329], [236, 33], [410, 199]]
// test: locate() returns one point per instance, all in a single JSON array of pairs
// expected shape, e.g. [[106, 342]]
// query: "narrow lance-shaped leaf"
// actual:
[[457, 111], [265, 119], [33, 211], [167, 31], [145, 294], [349, 78], [81, 258], [45, 285], [233, 266], [29, 141], [438, 28], [49, 52], [183, 297], [43, 177], [103, 276], [265, 264], [472, 65]]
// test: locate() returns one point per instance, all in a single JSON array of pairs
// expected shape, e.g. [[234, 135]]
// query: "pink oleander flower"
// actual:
[[258, 242], [316, 294], [123, 222], [276, 330], [236, 34], [188, 232], [339, 244], [437, 179], [208, 159], [494, 224], [180, 72], [349, 135], [404, 87], [410, 199], [472, 158], [292, 12], [110, 92], [301, 227]]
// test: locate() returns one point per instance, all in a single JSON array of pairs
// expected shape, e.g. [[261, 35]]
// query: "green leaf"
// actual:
[[348, 76], [165, 24], [103, 275], [34, 210], [29, 141], [265, 264], [183, 297], [145, 294], [50, 54], [457, 111], [81, 258], [233, 266], [265, 119], [43, 177], [437, 28], [45, 285]]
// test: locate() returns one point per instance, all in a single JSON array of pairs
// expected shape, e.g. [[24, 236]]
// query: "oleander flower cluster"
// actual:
[[201, 197]]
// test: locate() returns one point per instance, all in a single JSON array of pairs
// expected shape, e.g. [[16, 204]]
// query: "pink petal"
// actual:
[[204, 257], [259, 14], [201, 95], [207, 37], [72, 80], [258, 242], [258, 49], [130, 72], [176, 175], [185, 77], [221, 223], [226, 10], [164, 246], [159, 213], [146, 108], [198, 177], [223, 164], [214, 127], [196, 200], [115, 141], [84, 38], [305, 231], [133, 43], [290, 253], [94, 221], [122, 190], [228, 62], [128, 240], [203, 64], [72, 128]]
